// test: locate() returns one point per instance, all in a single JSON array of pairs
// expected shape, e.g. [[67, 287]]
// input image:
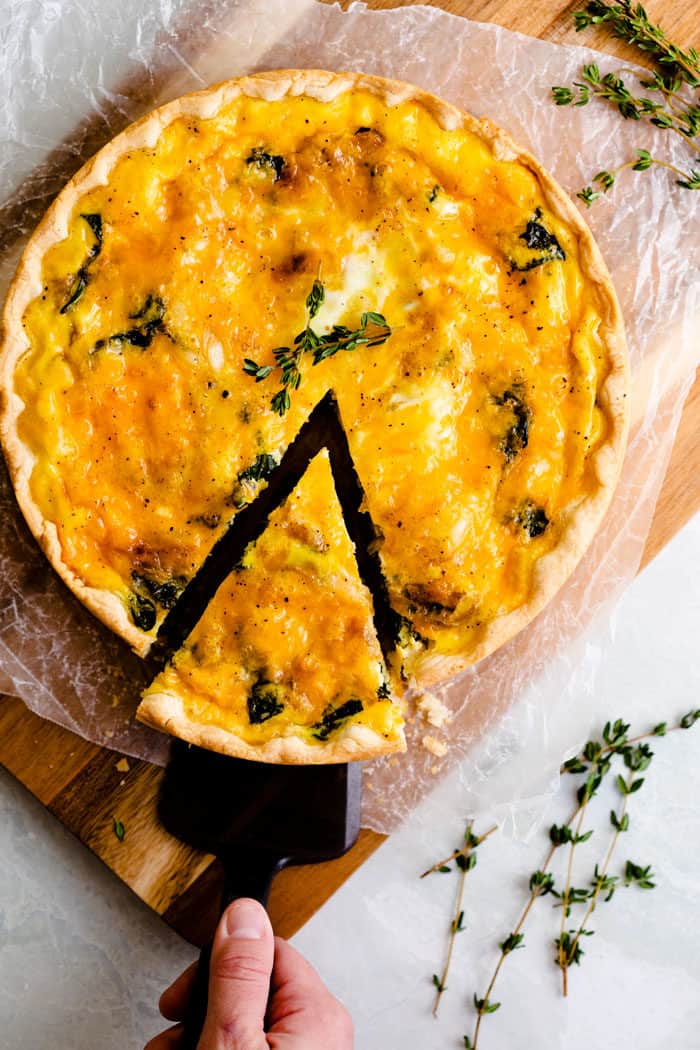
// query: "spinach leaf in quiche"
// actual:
[[259, 470], [407, 635], [269, 162], [517, 435], [150, 318], [82, 277], [164, 592], [334, 717], [531, 519], [143, 611], [264, 701], [539, 245]]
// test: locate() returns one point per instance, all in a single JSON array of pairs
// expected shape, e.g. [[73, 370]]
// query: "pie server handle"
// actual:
[[247, 873]]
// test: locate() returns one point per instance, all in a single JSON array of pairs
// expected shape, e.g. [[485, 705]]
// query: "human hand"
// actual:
[[263, 995]]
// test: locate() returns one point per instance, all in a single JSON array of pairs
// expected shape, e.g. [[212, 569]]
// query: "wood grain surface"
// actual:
[[87, 787]]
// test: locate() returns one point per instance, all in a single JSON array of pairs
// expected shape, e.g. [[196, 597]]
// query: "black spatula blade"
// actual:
[[219, 804]]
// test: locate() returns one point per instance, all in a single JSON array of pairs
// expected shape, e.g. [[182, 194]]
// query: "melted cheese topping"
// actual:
[[472, 427], [288, 638]]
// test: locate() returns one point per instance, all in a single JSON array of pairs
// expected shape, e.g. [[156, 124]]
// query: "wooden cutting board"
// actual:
[[87, 787]]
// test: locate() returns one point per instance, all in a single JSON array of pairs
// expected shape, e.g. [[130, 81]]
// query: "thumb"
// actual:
[[239, 979]]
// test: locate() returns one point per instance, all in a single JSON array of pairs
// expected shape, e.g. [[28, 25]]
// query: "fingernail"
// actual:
[[246, 920]]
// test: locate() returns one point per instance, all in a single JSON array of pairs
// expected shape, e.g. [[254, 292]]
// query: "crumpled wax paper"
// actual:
[[76, 80]]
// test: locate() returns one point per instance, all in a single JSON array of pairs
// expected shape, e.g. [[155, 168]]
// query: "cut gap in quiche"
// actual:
[[284, 663], [323, 429]]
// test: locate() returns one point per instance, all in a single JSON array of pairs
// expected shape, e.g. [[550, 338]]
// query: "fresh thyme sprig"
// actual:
[[568, 945], [594, 763], [465, 860], [674, 111], [636, 759], [630, 22], [373, 331], [571, 895]]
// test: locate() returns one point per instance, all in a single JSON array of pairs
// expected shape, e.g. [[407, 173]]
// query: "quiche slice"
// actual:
[[222, 265], [285, 664]]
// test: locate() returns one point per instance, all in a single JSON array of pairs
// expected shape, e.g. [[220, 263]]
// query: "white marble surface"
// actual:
[[82, 961]]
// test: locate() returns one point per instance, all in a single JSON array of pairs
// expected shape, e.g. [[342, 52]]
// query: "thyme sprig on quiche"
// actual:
[[373, 331]]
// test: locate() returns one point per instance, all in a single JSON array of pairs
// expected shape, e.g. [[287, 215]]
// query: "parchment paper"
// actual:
[[59, 660]]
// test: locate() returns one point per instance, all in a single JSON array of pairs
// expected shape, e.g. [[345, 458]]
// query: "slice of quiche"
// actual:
[[285, 664]]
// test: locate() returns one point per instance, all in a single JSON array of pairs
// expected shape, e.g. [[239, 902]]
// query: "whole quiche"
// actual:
[[221, 269]]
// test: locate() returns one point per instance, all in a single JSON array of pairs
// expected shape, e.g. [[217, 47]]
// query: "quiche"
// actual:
[[222, 268]]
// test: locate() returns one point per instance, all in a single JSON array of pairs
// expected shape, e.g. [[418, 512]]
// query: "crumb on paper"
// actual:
[[433, 710], [122, 766], [434, 746]]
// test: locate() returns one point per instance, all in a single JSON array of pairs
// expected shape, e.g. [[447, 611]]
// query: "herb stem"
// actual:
[[682, 108], [455, 927], [565, 904], [594, 762]]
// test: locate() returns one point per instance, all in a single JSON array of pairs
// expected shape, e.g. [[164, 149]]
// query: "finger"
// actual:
[[173, 1001], [301, 1006], [293, 974], [168, 1040], [239, 979]]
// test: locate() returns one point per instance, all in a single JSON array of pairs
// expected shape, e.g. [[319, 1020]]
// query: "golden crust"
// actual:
[[580, 522], [352, 743]]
